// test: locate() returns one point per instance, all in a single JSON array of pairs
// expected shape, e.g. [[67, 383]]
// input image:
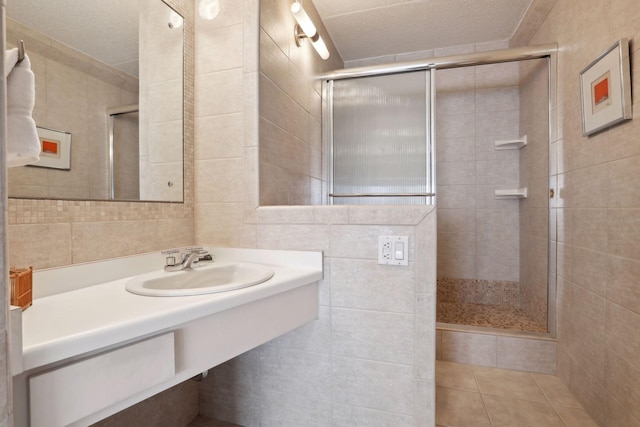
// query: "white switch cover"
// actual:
[[393, 250]]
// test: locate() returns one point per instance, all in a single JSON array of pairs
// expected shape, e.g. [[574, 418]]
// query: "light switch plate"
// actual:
[[393, 250]]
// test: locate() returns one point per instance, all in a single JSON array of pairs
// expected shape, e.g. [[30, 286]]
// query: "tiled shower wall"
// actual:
[[598, 215], [477, 234]]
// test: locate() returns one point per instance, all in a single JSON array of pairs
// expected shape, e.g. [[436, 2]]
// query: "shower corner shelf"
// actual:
[[512, 144], [520, 193]]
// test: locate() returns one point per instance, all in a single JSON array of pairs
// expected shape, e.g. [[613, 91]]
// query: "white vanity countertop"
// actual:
[[63, 325]]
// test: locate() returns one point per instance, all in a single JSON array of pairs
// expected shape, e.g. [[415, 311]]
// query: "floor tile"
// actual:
[[455, 375], [508, 412], [575, 417], [507, 383], [201, 421], [556, 391], [460, 408]]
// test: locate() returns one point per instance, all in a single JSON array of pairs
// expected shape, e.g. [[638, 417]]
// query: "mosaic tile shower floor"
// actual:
[[488, 316]]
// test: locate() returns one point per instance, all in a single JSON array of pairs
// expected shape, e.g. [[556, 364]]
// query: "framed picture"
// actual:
[[55, 149], [606, 89]]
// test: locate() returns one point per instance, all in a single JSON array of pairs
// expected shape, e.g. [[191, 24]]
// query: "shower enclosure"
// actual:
[[478, 126]]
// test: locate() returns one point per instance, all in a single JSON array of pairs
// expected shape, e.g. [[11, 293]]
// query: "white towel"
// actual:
[[23, 144]]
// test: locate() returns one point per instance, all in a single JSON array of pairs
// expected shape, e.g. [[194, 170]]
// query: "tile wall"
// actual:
[[50, 233], [369, 358], [290, 110], [161, 81], [477, 234], [72, 93], [598, 217]]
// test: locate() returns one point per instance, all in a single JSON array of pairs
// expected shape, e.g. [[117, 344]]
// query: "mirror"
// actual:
[[110, 74]]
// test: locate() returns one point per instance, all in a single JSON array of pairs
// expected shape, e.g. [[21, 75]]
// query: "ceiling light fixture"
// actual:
[[306, 29], [208, 9]]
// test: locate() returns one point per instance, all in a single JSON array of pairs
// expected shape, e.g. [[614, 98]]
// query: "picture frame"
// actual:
[[55, 149], [605, 88]]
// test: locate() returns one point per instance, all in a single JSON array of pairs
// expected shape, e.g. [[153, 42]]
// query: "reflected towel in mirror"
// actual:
[[23, 145]]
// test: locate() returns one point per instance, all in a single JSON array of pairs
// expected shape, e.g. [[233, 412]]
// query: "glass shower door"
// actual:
[[381, 148]]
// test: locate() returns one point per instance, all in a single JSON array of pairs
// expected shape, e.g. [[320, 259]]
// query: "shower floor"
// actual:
[[488, 316]]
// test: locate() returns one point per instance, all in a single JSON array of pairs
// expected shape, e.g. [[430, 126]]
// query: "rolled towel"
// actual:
[[23, 144]]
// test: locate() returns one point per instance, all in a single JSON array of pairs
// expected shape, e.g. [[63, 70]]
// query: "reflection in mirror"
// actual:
[[92, 61]]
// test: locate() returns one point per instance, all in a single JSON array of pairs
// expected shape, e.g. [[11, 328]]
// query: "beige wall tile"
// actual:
[[231, 393], [291, 409], [622, 286], [39, 245], [365, 285], [368, 384], [467, 348], [219, 181], [116, 241], [589, 270], [616, 415], [219, 136], [294, 237], [182, 409], [295, 372], [527, 355], [363, 334], [425, 338], [621, 382], [622, 185], [623, 232], [622, 333], [361, 241], [222, 89]]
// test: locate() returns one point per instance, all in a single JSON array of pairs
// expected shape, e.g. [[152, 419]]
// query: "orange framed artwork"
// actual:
[[606, 89], [55, 149]]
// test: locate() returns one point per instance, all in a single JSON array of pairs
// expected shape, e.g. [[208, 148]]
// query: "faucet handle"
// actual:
[[195, 249], [170, 253]]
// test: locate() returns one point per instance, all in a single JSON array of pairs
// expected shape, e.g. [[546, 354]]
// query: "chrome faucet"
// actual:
[[189, 258]]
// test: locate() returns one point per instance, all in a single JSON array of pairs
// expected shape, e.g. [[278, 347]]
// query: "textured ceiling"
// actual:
[[106, 30], [369, 28]]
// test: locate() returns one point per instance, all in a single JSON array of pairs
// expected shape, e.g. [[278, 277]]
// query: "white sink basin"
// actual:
[[216, 277]]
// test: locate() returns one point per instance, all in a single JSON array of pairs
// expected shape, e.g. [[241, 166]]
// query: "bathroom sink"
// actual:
[[216, 277]]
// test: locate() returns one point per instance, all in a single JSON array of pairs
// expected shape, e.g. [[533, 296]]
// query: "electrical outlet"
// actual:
[[393, 250]]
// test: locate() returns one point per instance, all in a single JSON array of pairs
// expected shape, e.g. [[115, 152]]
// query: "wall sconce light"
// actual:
[[208, 9], [305, 29]]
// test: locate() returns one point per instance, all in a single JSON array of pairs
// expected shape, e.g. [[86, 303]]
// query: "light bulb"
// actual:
[[303, 19], [209, 9]]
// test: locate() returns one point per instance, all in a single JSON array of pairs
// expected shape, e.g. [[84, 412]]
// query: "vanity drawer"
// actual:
[[67, 394]]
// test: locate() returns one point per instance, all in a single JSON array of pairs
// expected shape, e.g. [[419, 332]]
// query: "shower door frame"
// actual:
[[430, 161], [546, 51]]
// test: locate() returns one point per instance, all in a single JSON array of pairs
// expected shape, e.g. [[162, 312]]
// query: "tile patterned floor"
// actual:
[[475, 396], [492, 316], [201, 421]]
